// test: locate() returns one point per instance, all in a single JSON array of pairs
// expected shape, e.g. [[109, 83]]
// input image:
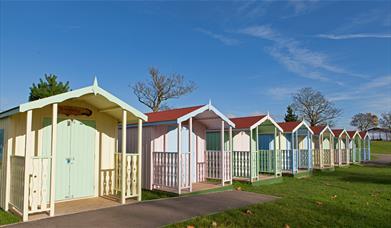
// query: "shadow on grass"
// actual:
[[367, 178]]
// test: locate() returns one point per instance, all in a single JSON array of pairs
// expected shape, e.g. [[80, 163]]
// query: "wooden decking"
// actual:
[[81, 205]]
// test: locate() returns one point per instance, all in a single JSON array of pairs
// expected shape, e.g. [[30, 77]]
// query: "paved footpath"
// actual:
[[382, 160], [154, 213]]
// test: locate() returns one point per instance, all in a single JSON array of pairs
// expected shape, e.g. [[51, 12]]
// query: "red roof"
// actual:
[[362, 134], [169, 115], [351, 133], [246, 122], [337, 132], [318, 129], [289, 126]]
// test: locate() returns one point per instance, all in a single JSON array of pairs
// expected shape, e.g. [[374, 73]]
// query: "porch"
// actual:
[[169, 168], [39, 204], [296, 160], [259, 165], [323, 158]]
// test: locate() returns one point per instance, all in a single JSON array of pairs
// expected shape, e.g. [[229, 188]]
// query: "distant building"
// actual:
[[377, 133]]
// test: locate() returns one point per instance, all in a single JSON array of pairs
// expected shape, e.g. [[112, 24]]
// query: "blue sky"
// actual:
[[248, 57]]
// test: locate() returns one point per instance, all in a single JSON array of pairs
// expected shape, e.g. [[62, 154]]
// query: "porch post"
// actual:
[[275, 151], [140, 156], [321, 151], [251, 154], [298, 151], [27, 162], [347, 150], [179, 147], [332, 151], [310, 157], [231, 147], [53, 160], [256, 153], [123, 160], [369, 149], [339, 151], [293, 152], [191, 154], [222, 154]]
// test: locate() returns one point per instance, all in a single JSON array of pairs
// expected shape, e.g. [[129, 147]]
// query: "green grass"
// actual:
[[380, 147], [354, 197], [151, 195], [7, 218]]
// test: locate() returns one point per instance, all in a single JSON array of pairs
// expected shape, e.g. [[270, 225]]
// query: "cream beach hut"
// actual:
[[296, 147], [355, 144], [341, 147], [256, 155], [184, 147], [366, 146], [63, 148], [322, 147]]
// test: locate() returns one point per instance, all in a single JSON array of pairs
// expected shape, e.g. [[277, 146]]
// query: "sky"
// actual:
[[247, 57]]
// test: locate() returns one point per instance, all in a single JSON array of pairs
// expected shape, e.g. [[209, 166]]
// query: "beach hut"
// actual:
[[63, 148], [355, 145], [341, 147], [184, 147], [323, 141], [366, 146], [256, 155], [296, 147]]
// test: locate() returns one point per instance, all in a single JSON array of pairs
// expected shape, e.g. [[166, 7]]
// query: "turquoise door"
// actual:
[[74, 158]]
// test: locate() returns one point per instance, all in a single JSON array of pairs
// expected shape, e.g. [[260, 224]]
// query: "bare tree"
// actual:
[[385, 120], [155, 92], [364, 121], [312, 106]]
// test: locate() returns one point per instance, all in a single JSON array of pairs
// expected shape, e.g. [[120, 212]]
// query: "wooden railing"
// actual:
[[269, 161], [201, 172], [107, 177], [39, 185], [241, 164], [185, 170], [165, 169], [17, 182], [303, 159], [227, 172], [336, 156], [316, 156], [327, 157], [213, 163], [286, 157], [131, 170], [343, 156]]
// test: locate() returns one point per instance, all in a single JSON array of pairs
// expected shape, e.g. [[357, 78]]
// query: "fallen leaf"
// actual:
[[334, 197], [239, 189], [249, 212], [319, 203], [190, 226], [214, 224], [286, 226]]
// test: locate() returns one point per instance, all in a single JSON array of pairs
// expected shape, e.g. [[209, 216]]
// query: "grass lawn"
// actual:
[[355, 197], [6, 218], [380, 147]]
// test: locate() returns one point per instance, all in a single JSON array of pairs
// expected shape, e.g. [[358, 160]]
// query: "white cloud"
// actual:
[[353, 36], [296, 58], [303, 6], [223, 39], [281, 93], [361, 91]]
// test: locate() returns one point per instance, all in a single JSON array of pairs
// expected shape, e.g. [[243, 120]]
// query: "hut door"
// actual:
[[74, 158]]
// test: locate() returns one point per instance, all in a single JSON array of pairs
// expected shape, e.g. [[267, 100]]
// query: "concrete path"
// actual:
[[154, 213], [381, 160]]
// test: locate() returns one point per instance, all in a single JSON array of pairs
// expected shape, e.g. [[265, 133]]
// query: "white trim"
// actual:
[[301, 124], [327, 127], [355, 133], [202, 109], [267, 117], [95, 89]]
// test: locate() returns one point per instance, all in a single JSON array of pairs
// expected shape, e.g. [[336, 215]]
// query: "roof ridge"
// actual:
[[170, 110]]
